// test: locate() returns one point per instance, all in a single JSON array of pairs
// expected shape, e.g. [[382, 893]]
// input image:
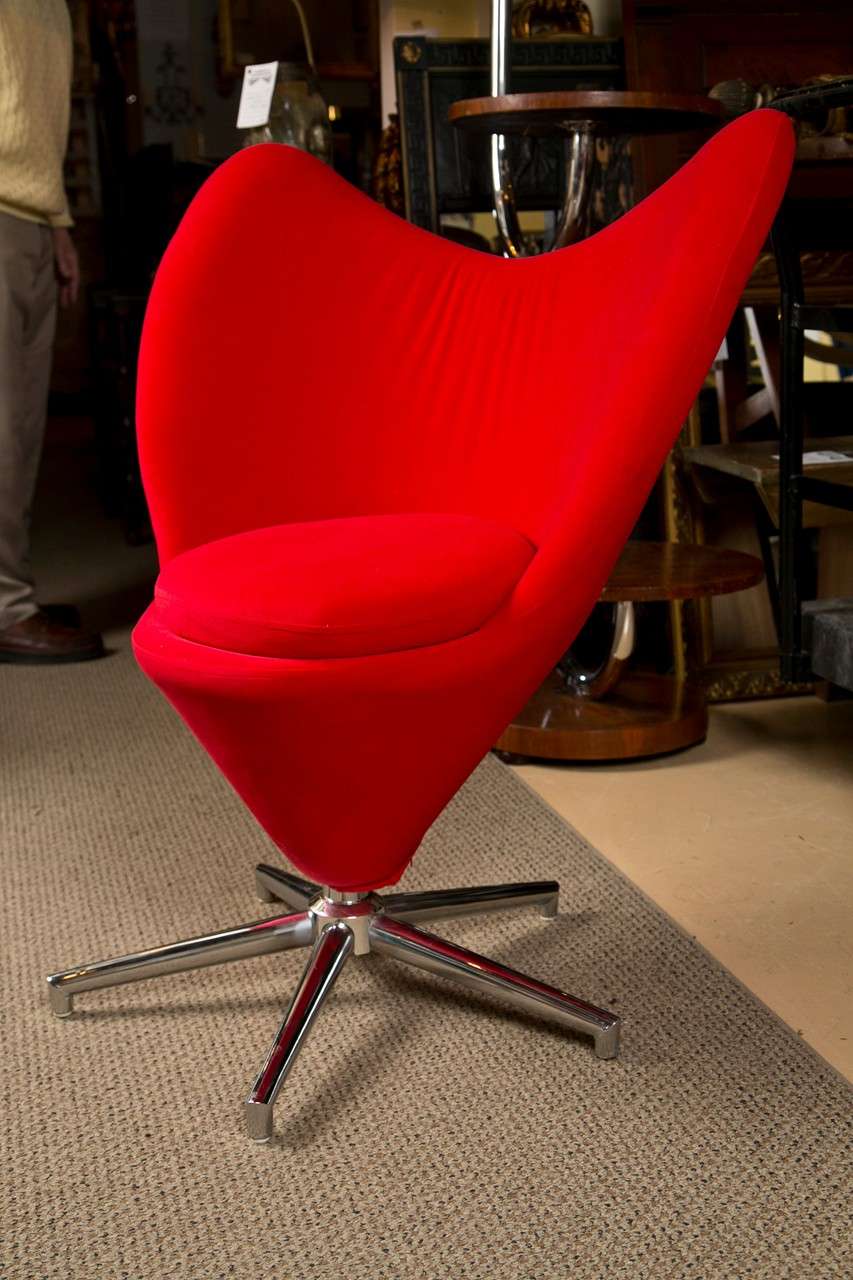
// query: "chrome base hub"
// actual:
[[356, 915], [336, 924]]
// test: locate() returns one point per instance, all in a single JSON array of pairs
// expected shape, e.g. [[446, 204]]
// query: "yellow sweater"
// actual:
[[35, 101]]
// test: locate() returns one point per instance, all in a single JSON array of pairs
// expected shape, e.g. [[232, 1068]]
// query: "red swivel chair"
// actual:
[[388, 477]]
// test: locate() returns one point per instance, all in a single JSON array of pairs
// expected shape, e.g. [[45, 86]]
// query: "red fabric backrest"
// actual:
[[308, 354]]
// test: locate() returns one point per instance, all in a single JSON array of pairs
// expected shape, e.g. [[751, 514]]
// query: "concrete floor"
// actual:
[[747, 841]]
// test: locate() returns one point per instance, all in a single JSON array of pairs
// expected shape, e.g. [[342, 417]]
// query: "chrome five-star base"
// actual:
[[336, 925]]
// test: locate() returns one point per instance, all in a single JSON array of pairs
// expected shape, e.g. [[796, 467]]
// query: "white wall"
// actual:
[[424, 18]]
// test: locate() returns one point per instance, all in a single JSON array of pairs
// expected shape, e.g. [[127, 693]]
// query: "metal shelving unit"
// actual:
[[796, 316]]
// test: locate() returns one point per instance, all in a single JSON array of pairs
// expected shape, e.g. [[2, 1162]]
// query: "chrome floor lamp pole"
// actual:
[[503, 197]]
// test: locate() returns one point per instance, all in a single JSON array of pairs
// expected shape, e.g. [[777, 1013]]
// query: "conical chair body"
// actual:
[[389, 476]]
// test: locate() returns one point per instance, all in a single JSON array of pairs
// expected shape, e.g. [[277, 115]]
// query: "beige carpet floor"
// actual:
[[423, 1134]]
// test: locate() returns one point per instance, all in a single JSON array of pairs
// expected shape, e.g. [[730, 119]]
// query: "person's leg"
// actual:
[[27, 324], [38, 361], [27, 320]]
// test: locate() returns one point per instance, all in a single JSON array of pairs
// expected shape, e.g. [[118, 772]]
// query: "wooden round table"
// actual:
[[608, 714], [604, 111], [648, 571], [580, 116], [624, 715]]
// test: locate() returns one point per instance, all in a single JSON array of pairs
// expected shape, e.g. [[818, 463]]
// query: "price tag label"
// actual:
[[256, 95], [819, 457]]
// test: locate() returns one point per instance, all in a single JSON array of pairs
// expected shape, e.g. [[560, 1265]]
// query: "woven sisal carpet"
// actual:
[[423, 1134]]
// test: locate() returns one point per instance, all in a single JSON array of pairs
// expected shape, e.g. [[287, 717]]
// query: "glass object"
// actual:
[[299, 115]]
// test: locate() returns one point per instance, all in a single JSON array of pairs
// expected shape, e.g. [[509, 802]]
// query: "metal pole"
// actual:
[[794, 661], [502, 193], [501, 40]]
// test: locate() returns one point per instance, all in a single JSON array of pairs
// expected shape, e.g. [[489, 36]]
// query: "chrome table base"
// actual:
[[335, 925]]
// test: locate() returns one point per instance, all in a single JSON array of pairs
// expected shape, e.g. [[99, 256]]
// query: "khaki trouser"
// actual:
[[27, 323]]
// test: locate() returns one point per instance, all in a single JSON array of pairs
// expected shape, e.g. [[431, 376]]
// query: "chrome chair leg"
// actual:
[[443, 903], [254, 939], [330, 952], [339, 924], [403, 941], [276, 885]]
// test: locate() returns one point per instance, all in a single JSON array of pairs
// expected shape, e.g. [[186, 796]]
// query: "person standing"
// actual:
[[38, 266]]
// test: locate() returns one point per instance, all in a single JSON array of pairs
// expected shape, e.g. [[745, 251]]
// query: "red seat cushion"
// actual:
[[343, 588]]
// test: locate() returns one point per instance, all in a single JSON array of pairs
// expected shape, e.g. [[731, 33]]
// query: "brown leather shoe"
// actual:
[[67, 614], [41, 638]]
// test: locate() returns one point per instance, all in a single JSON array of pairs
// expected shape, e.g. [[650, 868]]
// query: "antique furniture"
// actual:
[[607, 714], [369, 563], [648, 714], [338, 44], [737, 477], [757, 463], [729, 477], [742, 481], [579, 118], [690, 46], [446, 174], [830, 630]]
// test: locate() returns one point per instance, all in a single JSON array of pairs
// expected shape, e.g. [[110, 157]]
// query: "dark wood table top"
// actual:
[[674, 571], [607, 111]]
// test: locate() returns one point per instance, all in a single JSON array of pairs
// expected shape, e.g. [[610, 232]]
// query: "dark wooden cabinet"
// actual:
[[690, 45]]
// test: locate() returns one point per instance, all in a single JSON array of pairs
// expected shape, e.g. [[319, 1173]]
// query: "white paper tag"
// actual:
[[825, 455], [817, 457], [256, 95]]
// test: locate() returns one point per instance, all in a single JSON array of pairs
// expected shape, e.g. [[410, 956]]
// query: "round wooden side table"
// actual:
[[580, 116], [608, 714], [617, 715]]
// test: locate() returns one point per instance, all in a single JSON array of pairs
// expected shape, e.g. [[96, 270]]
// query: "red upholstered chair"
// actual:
[[374, 550]]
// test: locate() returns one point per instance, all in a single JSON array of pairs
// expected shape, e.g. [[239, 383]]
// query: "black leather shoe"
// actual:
[[43, 639]]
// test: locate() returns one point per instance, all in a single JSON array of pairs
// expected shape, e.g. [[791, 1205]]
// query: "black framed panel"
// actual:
[[446, 171]]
